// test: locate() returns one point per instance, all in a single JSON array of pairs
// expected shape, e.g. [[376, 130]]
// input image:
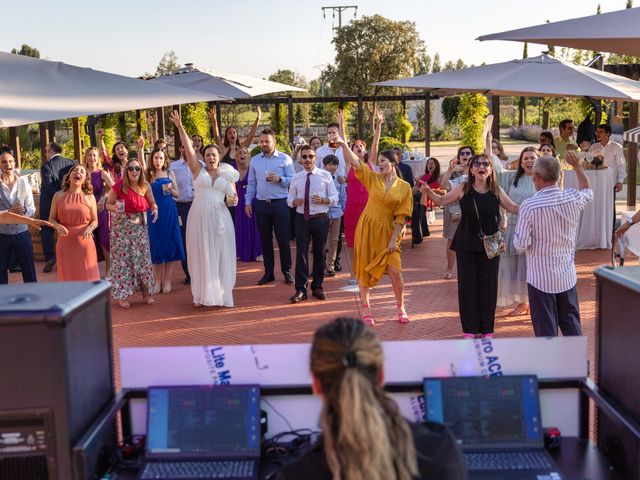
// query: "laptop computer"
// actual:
[[497, 422], [203, 432]]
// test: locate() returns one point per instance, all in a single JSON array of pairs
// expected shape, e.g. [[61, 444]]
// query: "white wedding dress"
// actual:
[[211, 240]]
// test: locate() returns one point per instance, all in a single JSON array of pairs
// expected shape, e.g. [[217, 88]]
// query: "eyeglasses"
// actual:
[[134, 169], [482, 164], [465, 154], [304, 157]]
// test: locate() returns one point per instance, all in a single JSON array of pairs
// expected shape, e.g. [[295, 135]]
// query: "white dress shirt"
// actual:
[[184, 179], [321, 184], [325, 150], [546, 232], [20, 193], [613, 155]]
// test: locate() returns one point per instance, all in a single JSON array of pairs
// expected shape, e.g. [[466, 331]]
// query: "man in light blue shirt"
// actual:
[[270, 173]]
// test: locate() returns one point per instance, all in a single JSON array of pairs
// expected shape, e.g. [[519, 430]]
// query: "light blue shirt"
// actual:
[[184, 179], [337, 211], [260, 166]]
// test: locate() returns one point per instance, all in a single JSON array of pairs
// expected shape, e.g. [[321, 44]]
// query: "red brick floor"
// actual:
[[263, 314]]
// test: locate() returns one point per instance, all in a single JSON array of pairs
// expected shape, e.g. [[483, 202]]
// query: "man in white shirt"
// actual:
[[332, 148], [612, 153], [546, 232], [311, 192], [15, 197]]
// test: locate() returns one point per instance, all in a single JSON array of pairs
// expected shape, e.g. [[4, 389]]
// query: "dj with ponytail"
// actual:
[[364, 435]]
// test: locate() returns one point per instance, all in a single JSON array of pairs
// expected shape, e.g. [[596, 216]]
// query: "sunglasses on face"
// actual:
[[482, 164], [465, 154], [134, 169], [305, 157]]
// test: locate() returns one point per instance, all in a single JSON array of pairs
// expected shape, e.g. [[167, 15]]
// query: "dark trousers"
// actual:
[[273, 217], [419, 225], [20, 244], [316, 229], [477, 291], [292, 223], [48, 245], [339, 249], [550, 311], [183, 213]]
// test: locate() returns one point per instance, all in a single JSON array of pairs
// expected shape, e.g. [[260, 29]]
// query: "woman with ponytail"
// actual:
[[364, 435]]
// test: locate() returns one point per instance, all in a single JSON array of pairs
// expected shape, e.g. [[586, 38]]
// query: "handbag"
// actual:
[[455, 211], [493, 244]]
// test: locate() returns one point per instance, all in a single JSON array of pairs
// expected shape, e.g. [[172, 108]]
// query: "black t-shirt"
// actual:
[[467, 237], [439, 457]]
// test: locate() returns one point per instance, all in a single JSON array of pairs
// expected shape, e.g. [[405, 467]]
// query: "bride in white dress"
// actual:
[[211, 242]]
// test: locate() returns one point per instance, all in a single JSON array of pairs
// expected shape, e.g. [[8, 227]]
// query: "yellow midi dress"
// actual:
[[376, 225]]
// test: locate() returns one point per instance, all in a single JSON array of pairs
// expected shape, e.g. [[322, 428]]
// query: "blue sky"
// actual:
[[259, 37]]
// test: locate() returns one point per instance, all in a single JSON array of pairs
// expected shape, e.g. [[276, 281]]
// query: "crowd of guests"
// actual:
[[216, 204]]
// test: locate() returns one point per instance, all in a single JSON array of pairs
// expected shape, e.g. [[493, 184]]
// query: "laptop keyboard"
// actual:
[[507, 460], [199, 469]]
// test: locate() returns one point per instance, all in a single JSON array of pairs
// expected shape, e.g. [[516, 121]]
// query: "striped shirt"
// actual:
[[546, 232]]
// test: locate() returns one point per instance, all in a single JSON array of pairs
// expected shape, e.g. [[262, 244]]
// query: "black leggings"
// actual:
[[477, 291]]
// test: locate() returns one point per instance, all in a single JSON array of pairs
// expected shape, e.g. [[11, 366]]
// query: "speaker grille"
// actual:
[[33, 467]]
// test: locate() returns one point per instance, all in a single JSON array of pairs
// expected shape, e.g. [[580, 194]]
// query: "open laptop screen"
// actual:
[[215, 421], [487, 412]]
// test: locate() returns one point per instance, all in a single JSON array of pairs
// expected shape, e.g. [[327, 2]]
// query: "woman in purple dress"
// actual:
[[248, 245], [102, 183]]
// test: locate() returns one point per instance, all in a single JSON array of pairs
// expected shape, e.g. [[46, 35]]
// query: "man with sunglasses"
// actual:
[[311, 192]]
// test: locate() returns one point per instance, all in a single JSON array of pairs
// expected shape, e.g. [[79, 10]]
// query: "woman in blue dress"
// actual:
[[248, 244], [164, 235]]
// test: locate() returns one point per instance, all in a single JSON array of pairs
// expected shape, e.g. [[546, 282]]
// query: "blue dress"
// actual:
[[164, 235]]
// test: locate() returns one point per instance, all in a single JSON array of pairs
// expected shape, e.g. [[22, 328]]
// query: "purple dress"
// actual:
[[100, 234], [248, 245]]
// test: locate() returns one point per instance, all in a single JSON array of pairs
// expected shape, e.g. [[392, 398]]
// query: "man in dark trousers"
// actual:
[[270, 173], [51, 175]]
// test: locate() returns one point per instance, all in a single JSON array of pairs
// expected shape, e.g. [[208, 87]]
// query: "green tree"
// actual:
[[450, 109], [195, 117], [27, 51], [168, 63], [404, 128], [437, 67], [289, 77], [473, 110], [372, 49]]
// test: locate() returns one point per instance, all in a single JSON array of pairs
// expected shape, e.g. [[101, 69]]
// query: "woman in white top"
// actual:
[[211, 241]]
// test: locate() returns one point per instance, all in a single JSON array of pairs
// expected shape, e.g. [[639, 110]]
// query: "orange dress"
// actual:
[[76, 257]]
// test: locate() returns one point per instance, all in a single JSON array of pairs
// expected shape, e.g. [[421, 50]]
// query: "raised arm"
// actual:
[[508, 204], [141, 158], [103, 149], [441, 200], [192, 159], [574, 161], [378, 119], [341, 129], [214, 127], [254, 128], [349, 157]]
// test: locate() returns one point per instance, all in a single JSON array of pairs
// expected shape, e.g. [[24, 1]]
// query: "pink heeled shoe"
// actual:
[[367, 319], [402, 315]]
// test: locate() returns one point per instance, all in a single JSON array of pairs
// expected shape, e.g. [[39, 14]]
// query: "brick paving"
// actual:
[[263, 314]]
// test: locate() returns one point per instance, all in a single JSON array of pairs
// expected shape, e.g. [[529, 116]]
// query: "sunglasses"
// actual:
[[465, 154], [134, 169], [304, 157], [482, 164]]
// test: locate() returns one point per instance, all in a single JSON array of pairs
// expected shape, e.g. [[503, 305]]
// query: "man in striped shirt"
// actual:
[[546, 232]]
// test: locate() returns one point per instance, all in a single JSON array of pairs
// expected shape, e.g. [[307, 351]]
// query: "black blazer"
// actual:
[[51, 175], [439, 457]]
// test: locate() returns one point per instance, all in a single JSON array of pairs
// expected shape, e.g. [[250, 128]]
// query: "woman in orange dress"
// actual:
[[74, 215]]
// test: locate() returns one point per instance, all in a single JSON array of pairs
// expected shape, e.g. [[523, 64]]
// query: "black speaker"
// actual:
[[56, 373]]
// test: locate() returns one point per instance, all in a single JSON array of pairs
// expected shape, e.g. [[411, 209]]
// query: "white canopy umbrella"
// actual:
[[615, 32], [34, 90], [222, 83], [541, 76]]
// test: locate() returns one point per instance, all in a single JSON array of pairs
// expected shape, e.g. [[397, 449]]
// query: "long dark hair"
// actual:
[[151, 170], [492, 181], [365, 436], [436, 173], [520, 171], [115, 160], [549, 136], [225, 142]]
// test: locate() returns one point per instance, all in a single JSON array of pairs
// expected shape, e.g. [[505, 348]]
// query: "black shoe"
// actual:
[[336, 266], [266, 278], [15, 269], [288, 279], [187, 281], [319, 293], [298, 297], [331, 273], [48, 267]]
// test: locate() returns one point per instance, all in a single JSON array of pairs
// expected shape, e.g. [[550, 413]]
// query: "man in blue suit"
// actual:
[[51, 175]]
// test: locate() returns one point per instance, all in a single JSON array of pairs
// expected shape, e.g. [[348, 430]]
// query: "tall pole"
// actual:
[[340, 9]]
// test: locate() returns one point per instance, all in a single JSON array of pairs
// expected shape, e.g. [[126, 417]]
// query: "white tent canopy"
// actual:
[[614, 32], [34, 90], [231, 85], [632, 135], [541, 76]]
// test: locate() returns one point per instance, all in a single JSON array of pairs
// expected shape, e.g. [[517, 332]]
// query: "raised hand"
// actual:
[[378, 116], [213, 117], [258, 112], [573, 159], [340, 116], [175, 118], [100, 133], [140, 142]]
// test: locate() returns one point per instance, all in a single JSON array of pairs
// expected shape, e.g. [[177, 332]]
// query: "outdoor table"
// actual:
[[596, 222], [417, 166], [632, 235]]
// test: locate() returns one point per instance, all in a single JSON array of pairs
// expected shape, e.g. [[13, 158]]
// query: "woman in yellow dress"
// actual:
[[378, 234]]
